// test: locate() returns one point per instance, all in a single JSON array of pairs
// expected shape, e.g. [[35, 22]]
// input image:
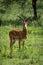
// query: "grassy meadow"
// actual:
[[32, 53]]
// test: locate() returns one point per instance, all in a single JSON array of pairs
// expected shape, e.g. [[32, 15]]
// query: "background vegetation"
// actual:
[[32, 54]]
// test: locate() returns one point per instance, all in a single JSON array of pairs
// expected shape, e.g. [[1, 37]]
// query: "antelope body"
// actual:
[[19, 35]]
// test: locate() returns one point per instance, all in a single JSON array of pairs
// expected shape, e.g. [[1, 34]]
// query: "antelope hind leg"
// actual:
[[11, 47]]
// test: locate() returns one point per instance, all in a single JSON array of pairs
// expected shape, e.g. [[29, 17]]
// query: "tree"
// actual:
[[34, 7]]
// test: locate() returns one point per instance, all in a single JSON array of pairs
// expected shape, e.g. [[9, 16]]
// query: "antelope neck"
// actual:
[[24, 33]]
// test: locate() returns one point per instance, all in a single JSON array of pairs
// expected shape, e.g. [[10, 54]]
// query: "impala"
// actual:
[[19, 35]]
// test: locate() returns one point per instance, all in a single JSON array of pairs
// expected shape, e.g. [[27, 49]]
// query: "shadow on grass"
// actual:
[[31, 21], [11, 22], [2, 11]]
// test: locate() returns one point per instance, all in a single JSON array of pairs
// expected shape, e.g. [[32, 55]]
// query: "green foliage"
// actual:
[[10, 12]]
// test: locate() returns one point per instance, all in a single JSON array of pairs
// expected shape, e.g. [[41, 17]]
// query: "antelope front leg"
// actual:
[[23, 43], [19, 44]]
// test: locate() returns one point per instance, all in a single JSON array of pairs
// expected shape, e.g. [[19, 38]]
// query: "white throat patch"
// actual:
[[26, 26]]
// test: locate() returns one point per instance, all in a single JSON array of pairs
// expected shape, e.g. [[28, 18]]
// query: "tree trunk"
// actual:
[[34, 8]]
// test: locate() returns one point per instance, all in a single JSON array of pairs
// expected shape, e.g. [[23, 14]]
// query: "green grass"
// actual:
[[32, 52]]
